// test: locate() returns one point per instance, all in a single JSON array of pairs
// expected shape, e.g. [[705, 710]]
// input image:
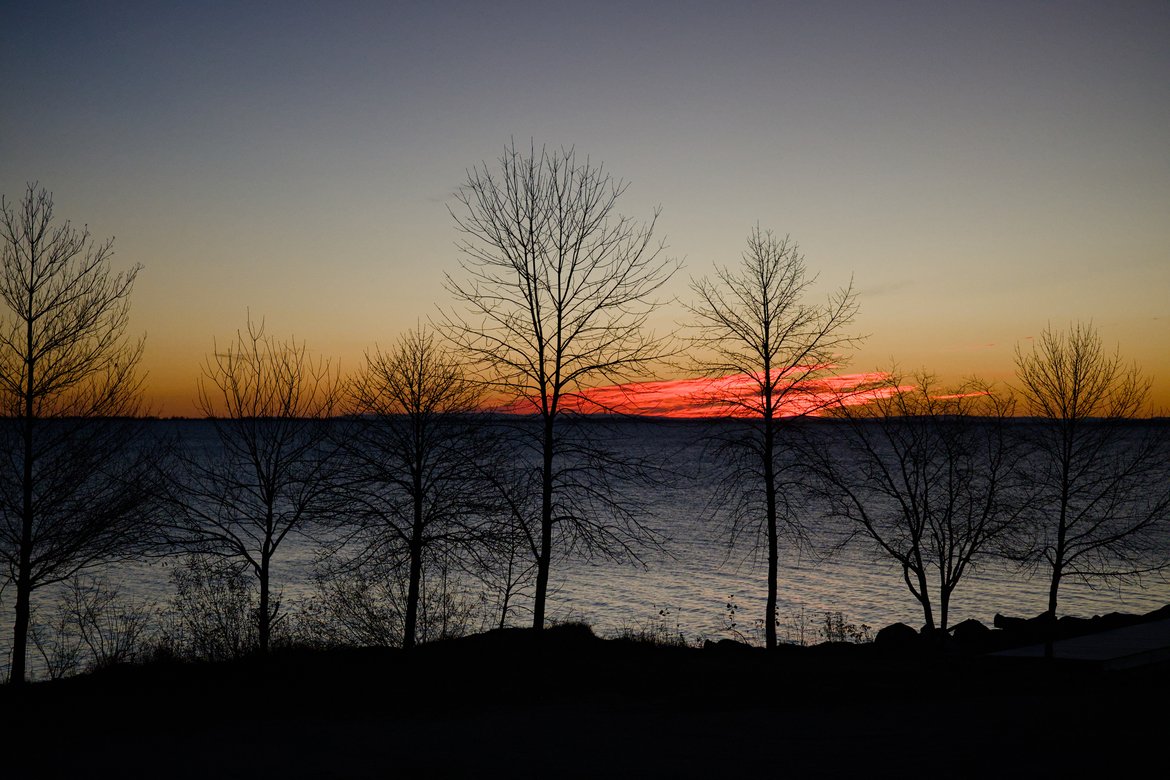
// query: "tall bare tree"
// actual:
[[267, 473], [557, 289], [414, 448], [73, 489], [927, 476], [753, 325], [1102, 478]]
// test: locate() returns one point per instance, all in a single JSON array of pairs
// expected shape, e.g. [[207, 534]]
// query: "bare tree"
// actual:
[[1101, 477], [268, 472], [927, 476], [413, 450], [754, 327], [557, 292], [73, 487]]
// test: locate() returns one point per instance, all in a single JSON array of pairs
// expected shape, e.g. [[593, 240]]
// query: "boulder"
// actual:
[[971, 635], [1025, 630], [897, 637]]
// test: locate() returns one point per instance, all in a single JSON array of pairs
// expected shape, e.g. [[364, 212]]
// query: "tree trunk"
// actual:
[[1062, 523], [542, 567], [413, 588], [265, 618], [927, 610], [1053, 587], [16, 675], [18, 671], [922, 592], [545, 557], [1058, 557], [1059, 553], [773, 541], [944, 607], [1050, 628], [23, 615]]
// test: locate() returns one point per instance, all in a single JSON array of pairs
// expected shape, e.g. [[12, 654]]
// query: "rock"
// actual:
[[1008, 623], [1025, 630], [971, 635], [1161, 613], [897, 636], [969, 629]]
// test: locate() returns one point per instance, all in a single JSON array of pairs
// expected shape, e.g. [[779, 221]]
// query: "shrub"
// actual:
[[835, 629], [213, 615], [92, 628]]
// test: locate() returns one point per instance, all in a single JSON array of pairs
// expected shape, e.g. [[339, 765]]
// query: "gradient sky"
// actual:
[[979, 169]]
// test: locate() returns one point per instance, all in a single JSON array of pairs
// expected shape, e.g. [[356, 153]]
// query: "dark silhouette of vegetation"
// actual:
[[1102, 487], [752, 323], [93, 627], [413, 457], [268, 473], [557, 290], [927, 476], [213, 613], [74, 486]]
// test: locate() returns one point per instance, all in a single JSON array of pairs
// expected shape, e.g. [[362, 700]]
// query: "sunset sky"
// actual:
[[979, 169]]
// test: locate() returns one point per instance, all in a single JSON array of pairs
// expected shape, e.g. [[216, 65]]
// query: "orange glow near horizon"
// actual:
[[725, 396]]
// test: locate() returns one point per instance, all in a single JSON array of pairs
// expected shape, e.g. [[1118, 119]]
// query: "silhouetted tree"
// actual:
[[412, 448], [557, 291], [927, 476], [268, 473], [755, 329], [1101, 480], [73, 484]]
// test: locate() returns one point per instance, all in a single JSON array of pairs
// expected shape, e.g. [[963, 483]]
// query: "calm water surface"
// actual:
[[695, 576]]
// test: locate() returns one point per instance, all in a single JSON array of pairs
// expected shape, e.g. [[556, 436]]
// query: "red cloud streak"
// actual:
[[726, 396]]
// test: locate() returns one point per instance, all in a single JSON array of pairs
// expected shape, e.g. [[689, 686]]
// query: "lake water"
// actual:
[[695, 576], [698, 574]]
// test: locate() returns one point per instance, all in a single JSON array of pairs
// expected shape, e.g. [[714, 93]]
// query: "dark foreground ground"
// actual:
[[563, 703]]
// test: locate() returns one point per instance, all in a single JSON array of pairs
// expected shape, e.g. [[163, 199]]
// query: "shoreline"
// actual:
[[563, 702]]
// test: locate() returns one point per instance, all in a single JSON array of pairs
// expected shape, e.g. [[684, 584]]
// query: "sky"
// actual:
[[979, 170]]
